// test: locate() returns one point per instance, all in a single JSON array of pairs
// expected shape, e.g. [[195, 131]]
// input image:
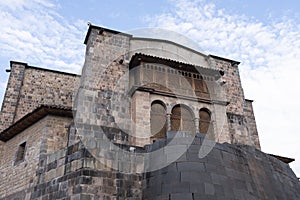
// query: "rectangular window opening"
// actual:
[[21, 153]]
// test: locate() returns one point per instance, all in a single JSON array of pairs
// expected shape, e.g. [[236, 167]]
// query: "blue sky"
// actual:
[[263, 35]]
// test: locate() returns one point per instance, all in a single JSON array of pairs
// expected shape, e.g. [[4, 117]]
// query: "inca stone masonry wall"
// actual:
[[71, 173], [227, 172]]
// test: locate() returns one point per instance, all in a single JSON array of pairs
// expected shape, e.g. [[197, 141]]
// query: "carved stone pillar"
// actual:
[[196, 121], [168, 121]]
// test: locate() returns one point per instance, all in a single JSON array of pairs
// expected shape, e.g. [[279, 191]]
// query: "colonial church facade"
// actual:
[[146, 119]]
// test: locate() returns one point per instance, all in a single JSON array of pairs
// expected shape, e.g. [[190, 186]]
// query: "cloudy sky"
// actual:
[[264, 37]]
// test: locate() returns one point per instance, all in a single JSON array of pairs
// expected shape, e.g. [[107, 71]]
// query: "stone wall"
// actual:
[[29, 87], [56, 135], [78, 174], [45, 87], [240, 115], [251, 123], [45, 136], [17, 177], [227, 172], [141, 106], [57, 166], [2, 144], [233, 86], [104, 85], [73, 173], [104, 82], [12, 95]]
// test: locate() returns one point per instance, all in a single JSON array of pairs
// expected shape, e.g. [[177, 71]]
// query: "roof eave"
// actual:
[[233, 62], [33, 117]]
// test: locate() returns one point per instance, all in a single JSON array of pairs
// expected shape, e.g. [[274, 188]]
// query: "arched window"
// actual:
[[182, 119], [204, 120], [158, 120]]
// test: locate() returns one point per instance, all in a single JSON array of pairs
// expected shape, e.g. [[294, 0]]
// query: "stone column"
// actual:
[[197, 124], [168, 121]]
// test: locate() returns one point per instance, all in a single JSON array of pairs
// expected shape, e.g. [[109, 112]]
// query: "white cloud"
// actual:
[[270, 64], [33, 31], [3, 84]]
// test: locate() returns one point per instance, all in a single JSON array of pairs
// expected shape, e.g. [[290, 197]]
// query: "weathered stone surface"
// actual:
[[246, 174], [231, 172], [56, 164], [29, 87]]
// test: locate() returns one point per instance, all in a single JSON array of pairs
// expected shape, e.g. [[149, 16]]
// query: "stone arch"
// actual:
[[182, 118], [204, 120], [158, 120]]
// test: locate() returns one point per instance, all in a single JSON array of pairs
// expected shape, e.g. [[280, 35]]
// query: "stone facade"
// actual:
[[29, 87], [42, 138], [113, 56], [227, 172], [54, 125]]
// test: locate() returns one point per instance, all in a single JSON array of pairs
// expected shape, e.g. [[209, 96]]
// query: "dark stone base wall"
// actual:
[[65, 175], [84, 184], [89, 184], [227, 172]]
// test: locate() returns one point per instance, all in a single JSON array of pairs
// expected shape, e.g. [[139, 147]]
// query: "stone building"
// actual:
[[146, 119]]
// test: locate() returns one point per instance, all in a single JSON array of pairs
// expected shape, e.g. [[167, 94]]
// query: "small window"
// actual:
[[21, 153]]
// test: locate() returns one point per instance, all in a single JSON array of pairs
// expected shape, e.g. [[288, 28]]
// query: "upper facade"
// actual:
[[146, 87], [150, 87]]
